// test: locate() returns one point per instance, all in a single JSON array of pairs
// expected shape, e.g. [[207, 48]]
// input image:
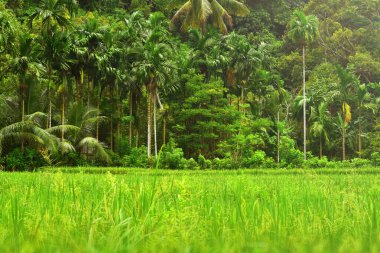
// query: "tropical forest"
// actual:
[[190, 125]]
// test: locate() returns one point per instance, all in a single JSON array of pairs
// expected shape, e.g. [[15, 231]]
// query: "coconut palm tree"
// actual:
[[199, 13], [27, 132], [303, 30], [79, 131]]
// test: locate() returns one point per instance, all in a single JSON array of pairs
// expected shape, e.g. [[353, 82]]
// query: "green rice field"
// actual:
[[131, 210]]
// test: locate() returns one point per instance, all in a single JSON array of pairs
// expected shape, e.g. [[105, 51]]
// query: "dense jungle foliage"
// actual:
[[211, 83]]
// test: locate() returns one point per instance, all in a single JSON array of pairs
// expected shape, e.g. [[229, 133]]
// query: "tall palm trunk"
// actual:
[[149, 125], [320, 147], [343, 142], [137, 126], [97, 119], [155, 124], [22, 115], [63, 118], [130, 115], [304, 101], [360, 140], [278, 137]]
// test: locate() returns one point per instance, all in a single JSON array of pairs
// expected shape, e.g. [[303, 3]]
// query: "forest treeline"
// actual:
[[210, 83]]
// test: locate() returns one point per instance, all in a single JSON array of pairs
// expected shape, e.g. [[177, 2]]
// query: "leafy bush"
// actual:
[[224, 164], [290, 156], [360, 163], [136, 158], [172, 157], [257, 160], [204, 163], [375, 159], [28, 160], [191, 164], [71, 159], [315, 162]]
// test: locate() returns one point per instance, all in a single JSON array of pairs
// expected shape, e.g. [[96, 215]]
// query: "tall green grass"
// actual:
[[154, 211]]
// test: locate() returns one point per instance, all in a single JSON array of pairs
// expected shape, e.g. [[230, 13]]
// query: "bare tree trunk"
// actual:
[[360, 140], [163, 115], [149, 124], [63, 118], [164, 130], [22, 119], [137, 128], [304, 102], [278, 137], [130, 115], [97, 119], [343, 142], [50, 105], [155, 125], [320, 147]]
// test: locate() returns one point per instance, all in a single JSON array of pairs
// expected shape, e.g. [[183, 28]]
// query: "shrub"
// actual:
[[360, 163], [191, 164], [28, 160], [136, 158], [375, 159], [315, 162], [204, 163], [224, 164], [71, 159], [290, 156], [172, 157], [257, 160]]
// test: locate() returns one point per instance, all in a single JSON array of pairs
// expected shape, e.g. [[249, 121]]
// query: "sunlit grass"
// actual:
[[174, 211]]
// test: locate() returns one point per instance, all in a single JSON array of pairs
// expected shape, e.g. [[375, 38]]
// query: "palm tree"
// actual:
[[26, 66], [27, 132], [243, 59], [51, 13], [80, 129], [55, 55], [199, 13], [303, 30], [153, 65], [320, 118], [9, 29]]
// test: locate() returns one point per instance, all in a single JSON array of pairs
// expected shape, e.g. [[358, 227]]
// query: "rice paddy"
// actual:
[[188, 211]]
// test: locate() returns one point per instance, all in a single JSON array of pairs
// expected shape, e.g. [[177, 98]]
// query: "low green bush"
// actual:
[[136, 158], [28, 160], [375, 159]]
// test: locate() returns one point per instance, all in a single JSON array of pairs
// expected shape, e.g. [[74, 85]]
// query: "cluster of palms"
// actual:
[[64, 73]]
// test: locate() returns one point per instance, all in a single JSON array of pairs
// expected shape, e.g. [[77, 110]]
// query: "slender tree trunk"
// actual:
[[130, 115], [164, 129], [242, 99], [112, 114], [97, 119], [63, 118], [22, 117], [149, 125], [304, 102], [50, 107], [360, 140], [137, 126], [163, 115], [278, 137], [155, 124], [320, 147], [343, 142]]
